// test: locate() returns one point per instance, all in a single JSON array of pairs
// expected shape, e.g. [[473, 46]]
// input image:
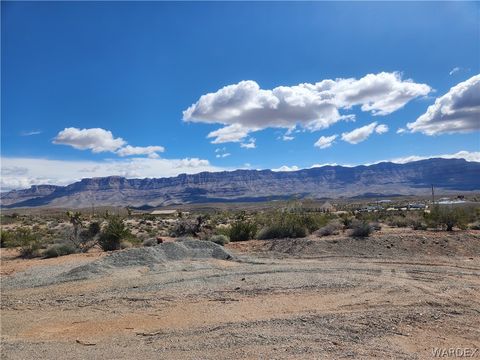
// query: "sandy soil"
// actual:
[[396, 295]]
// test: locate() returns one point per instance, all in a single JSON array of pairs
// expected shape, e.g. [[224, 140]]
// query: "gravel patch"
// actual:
[[154, 258]]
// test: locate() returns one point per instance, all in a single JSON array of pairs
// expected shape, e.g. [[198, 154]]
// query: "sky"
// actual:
[[154, 89]]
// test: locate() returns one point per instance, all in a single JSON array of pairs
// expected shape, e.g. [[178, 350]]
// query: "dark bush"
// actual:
[[280, 231], [330, 229], [56, 250], [7, 238], [360, 229], [113, 234], [242, 230]]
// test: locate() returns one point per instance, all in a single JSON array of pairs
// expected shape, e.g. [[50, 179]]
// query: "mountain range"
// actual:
[[449, 176]]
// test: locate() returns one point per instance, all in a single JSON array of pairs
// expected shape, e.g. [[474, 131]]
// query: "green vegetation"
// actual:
[[22, 237], [360, 229], [113, 234], [242, 230], [56, 250], [448, 217]]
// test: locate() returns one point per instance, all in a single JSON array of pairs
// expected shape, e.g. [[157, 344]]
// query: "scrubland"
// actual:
[[283, 282]]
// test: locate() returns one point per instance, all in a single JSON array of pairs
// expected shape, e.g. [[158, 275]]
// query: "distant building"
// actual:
[[164, 213]]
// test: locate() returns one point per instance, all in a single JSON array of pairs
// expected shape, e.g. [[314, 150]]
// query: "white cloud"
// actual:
[[224, 155], [467, 155], [101, 140], [458, 111], [401, 130], [249, 145], [362, 133], [454, 70], [95, 139], [30, 133], [287, 168], [20, 173], [287, 138], [232, 133], [245, 107], [151, 151], [325, 141], [381, 129]]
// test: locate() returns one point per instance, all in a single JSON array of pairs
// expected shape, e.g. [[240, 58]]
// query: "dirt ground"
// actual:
[[397, 295]]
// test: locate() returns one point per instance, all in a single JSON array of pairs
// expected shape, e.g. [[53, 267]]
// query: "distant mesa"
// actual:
[[450, 176]]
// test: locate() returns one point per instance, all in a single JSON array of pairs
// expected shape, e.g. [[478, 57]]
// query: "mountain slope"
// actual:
[[414, 178]]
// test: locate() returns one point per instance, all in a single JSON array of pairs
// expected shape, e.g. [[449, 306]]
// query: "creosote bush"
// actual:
[[360, 229], [331, 228], [56, 250], [242, 230]]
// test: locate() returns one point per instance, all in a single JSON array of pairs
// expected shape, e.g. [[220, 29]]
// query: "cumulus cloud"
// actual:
[[19, 173], [95, 139], [381, 129], [100, 140], [362, 133], [232, 133], [458, 111], [151, 151], [401, 130], [249, 145], [325, 141], [245, 107]]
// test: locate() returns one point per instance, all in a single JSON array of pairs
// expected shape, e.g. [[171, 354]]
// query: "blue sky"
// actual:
[[133, 69]]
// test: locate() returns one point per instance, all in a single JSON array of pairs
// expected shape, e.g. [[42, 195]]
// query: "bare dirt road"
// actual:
[[393, 296]]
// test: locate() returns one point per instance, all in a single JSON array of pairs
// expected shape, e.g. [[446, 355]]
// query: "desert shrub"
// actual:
[[28, 243], [447, 217], [418, 225], [113, 234], [150, 242], [331, 228], [56, 250], [219, 239], [242, 230], [360, 229], [290, 224], [189, 227], [283, 228], [7, 238], [398, 221], [346, 221]]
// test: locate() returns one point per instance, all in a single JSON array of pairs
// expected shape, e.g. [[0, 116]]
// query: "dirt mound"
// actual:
[[151, 257], [154, 258]]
